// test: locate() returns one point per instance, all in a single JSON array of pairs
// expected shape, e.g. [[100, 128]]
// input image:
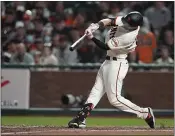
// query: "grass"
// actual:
[[91, 121]]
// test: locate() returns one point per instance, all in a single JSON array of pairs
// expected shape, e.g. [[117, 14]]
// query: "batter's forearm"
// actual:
[[101, 24], [106, 22], [100, 44]]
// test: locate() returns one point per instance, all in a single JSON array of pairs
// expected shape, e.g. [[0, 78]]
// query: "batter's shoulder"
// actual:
[[116, 21]]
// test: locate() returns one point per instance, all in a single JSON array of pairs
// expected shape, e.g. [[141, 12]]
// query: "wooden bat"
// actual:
[[74, 46]]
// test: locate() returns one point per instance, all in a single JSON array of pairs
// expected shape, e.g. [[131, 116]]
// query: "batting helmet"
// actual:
[[134, 19]]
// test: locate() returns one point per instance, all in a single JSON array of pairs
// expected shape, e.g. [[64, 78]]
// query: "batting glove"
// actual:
[[89, 33], [93, 27]]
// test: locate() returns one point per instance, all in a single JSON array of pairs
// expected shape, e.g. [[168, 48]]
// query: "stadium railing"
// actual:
[[89, 66]]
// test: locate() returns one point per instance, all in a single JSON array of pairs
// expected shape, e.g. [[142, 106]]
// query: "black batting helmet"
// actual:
[[134, 19]]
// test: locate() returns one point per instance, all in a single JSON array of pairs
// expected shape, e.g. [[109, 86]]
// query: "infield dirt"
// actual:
[[52, 130]]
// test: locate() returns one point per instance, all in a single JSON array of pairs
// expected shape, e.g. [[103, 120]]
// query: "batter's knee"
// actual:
[[119, 97], [114, 102]]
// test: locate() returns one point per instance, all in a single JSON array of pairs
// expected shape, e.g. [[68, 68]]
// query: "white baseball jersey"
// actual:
[[111, 74], [120, 40]]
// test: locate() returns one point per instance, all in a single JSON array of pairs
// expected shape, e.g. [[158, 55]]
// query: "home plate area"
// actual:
[[53, 130]]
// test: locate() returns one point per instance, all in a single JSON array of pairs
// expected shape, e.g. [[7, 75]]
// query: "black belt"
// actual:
[[109, 58]]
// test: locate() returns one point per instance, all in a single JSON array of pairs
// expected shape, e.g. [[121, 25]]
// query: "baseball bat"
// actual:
[[74, 46]]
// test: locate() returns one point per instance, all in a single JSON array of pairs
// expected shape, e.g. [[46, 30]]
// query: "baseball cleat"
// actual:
[[150, 120], [75, 123]]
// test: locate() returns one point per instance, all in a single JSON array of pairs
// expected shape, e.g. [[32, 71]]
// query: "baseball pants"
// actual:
[[109, 80]]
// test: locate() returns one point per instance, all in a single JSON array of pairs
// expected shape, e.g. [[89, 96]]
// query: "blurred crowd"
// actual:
[[41, 32]]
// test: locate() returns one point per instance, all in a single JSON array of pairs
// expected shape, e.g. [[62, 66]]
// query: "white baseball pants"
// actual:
[[109, 80]]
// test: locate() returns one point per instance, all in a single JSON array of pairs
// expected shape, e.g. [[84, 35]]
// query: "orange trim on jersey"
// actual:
[[116, 44]]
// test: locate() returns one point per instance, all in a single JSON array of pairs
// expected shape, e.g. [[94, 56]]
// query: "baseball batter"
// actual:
[[120, 40]]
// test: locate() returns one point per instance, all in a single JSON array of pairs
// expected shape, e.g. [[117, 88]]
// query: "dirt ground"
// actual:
[[51, 130]]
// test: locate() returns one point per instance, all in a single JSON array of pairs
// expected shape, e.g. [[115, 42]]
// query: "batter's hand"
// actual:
[[93, 27], [89, 34]]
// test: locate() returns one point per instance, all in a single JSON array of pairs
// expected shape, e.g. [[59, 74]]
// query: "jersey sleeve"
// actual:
[[115, 43], [119, 43], [118, 21], [113, 21]]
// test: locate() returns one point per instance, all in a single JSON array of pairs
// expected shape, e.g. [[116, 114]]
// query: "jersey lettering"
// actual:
[[113, 31]]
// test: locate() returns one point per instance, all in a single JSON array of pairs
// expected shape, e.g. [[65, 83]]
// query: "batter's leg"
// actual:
[[115, 74], [114, 80], [94, 97], [97, 91]]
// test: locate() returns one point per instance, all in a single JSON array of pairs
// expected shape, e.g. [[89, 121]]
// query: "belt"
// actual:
[[112, 58]]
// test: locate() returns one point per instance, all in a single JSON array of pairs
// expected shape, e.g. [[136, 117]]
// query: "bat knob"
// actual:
[[71, 48]]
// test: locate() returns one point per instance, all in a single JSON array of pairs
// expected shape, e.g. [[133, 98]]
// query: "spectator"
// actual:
[[29, 42], [32, 24], [41, 12], [47, 57], [103, 8], [62, 52], [158, 15], [47, 33], [79, 20], [165, 57], [8, 19], [55, 40], [30, 5], [128, 6], [60, 26], [69, 17], [39, 45], [55, 44], [59, 9], [168, 40], [37, 56], [39, 25], [11, 50], [75, 35], [30, 31], [27, 19], [20, 9], [146, 46], [132, 58], [86, 53], [116, 9], [20, 31], [139, 8], [22, 57]]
